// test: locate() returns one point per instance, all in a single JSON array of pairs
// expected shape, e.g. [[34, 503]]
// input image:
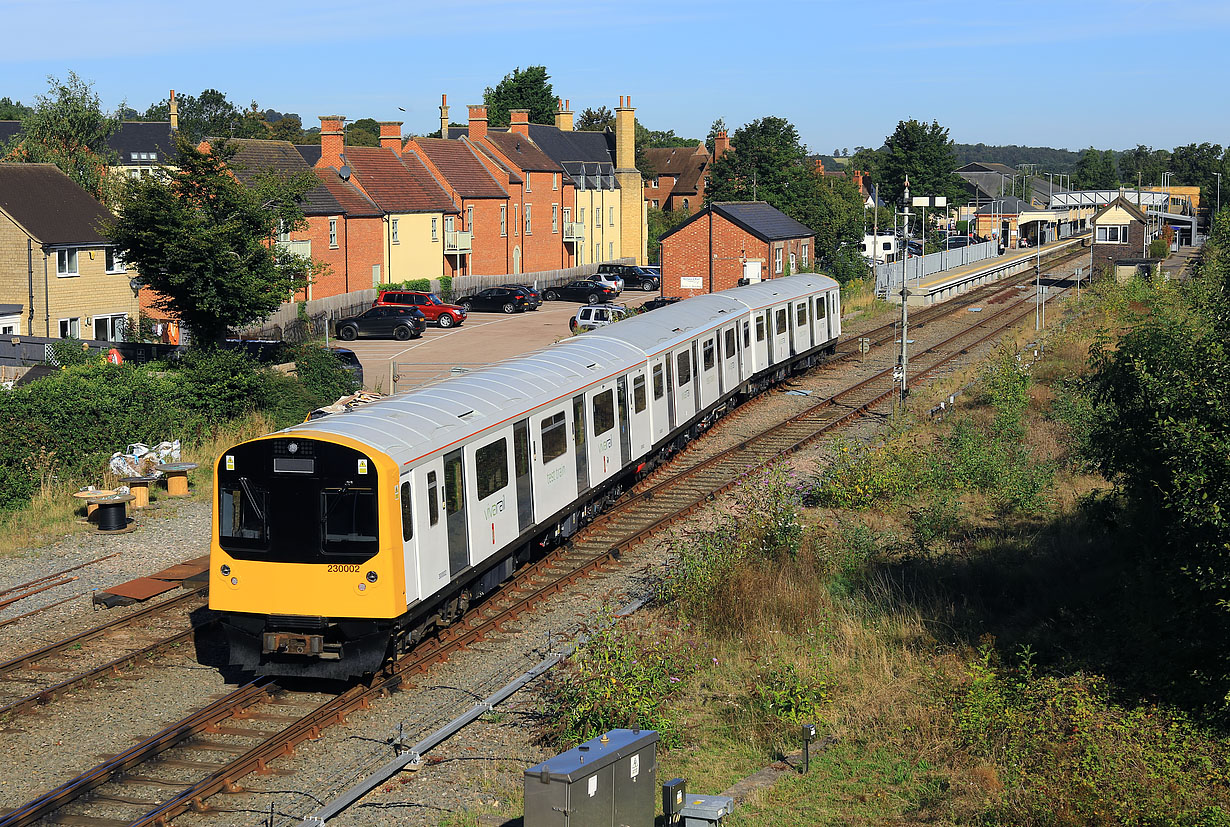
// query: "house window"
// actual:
[[115, 264], [612, 221], [597, 216], [685, 203], [805, 255], [567, 215], [332, 233], [283, 230], [70, 327], [66, 263], [110, 328], [1113, 234], [516, 219], [655, 183], [393, 230], [610, 250], [793, 266], [470, 218], [555, 218], [528, 229], [503, 220], [435, 229], [777, 260], [448, 224], [527, 182], [581, 215], [655, 203], [555, 180]]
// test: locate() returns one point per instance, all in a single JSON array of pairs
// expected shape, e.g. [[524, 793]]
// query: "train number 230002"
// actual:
[[340, 568]]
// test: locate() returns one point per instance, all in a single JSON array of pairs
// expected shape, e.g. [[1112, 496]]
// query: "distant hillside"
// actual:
[[1047, 159]]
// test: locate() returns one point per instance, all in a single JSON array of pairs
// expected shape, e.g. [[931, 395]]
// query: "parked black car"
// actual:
[[497, 299], [635, 277], [584, 290], [660, 301], [350, 361], [401, 323], [534, 298]]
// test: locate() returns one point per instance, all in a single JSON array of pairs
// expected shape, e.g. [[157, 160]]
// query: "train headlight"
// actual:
[[234, 581], [371, 577], [293, 448], [226, 570]]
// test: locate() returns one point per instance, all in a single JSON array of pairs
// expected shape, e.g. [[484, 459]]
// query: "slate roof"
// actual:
[[562, 145], [8, 129], [685, 164], [395, 185], [256, 157], [310, 153], [460, 166], [1127, 206], [354, 203], [10, 309], [756, 217], [979, 166], [522, 151], [144, 137], [51, 206]]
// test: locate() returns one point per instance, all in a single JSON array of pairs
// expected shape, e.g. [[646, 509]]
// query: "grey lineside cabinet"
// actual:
[[608, 781]]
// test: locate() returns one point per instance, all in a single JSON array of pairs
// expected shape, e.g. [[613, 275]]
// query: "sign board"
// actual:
[[691, 283]]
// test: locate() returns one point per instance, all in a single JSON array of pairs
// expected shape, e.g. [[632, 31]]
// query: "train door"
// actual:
[[802, 329], [604, 437], [554, 484], [730, 359], [835, 313], [660, 405], [749, 354], [409, 522], [493, 519], [642, 428], [685, 399], [822, 317], [524, 477], [431, 535], [670, 388], [764, 332], [580, 443], [696, 375], [625, 422], [781, 334], [707, 376], [455, 511]]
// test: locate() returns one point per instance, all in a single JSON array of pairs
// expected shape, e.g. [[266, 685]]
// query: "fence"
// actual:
[[24, 351], [301, 328], [463, 285], [919, 267]]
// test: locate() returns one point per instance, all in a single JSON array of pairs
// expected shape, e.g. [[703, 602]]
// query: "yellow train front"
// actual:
[[305, 567]]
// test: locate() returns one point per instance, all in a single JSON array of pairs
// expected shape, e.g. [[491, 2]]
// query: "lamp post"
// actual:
[[1218, 174]]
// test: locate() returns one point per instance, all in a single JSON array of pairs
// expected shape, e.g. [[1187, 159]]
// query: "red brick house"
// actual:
[[729, 241], [358, 232], [682, 175]]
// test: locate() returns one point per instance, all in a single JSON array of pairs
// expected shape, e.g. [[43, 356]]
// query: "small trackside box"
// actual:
[[609, 781], [705, 810]]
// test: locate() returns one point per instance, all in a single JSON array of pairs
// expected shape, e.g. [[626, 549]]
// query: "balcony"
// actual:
[[457, 242], [574, 231]]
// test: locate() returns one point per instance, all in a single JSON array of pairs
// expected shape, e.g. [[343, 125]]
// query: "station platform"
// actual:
[[944, 285]]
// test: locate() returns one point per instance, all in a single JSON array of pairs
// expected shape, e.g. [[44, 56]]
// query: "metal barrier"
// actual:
[[919, 267]]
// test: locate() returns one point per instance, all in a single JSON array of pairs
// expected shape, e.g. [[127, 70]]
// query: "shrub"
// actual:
[[779, 696], [71, 351], [1159, 248], [219, 384], [323, 374], [446, 288]]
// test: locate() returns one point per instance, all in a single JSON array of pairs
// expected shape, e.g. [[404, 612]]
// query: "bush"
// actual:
[[1159, 248], [779, 697], [219, 384], [323, 375], [71, 351]]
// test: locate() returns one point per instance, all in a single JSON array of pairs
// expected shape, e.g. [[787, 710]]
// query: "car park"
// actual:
[[497, 300], [533, 299], [597, 315], [429, 304], [401, 323], [350, 362], [588, 291], [631, 276]]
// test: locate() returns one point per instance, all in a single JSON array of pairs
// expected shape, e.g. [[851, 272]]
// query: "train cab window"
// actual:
[[241, 517], [659, 385], [760, 328], [820, 307], [708, 357], [684, 363], [407, 513], [348, 517], [638, 393], [491, 468], [801, 318], [433, 498], [781, 321], [604, 412], [730, 343], [554, 437]]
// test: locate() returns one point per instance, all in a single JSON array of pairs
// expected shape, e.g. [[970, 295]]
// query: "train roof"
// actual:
[[425, 420]]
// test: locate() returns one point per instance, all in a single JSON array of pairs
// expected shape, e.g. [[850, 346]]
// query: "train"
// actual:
[[343, 541]]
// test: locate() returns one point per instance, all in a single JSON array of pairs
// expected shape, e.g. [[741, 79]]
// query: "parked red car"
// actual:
[[436, 311]]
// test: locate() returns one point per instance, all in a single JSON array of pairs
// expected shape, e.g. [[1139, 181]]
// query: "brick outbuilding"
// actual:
[[730, 241]]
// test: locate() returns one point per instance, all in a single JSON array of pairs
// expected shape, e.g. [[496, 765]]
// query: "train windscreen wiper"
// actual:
[[243, 482], [340, 493]]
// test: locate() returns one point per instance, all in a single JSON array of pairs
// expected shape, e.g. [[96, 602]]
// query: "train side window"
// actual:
[[781, 321], [747, 336], [708, 357], [638, 393], [730, 343], [760, 328], [554, 437], [407, 513], [433, 498], [659, 385], [802, 315], [820, 307], [684, 363], [491, 468], [604, 412]]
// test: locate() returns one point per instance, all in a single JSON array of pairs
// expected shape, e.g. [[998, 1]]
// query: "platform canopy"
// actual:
[[1100, 198]]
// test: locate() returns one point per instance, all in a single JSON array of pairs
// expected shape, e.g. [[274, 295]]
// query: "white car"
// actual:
[[609, 280], [597, 315]]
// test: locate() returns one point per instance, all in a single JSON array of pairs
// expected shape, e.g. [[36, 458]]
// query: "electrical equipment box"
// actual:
[[610, 781], [705, 810]]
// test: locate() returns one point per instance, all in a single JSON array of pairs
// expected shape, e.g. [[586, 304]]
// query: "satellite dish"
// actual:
[[344, 172]]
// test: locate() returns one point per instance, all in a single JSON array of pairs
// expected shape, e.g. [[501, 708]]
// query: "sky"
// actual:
[[1104, 73]]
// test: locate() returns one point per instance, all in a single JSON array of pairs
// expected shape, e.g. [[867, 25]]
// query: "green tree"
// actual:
[[363, 132], [922, 151], [522, 89], [595, 120], [1143, 165], [203, 241], [12, 111], [1095, 170], [1197, 165], [210, 115], [660, 223], [286, 128], [68, 128]]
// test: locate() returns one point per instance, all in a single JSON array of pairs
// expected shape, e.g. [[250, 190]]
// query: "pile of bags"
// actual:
[[139, 460]]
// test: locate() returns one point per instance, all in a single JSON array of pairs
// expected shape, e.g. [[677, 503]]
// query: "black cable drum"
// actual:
[[112, 514]]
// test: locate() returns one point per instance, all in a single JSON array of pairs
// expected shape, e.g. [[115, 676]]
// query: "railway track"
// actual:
[[211, 750]]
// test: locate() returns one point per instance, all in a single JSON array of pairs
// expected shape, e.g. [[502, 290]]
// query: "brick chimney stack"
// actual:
[[519, 121], [563, 117], [819, 167], [174, 112], [390, 135], [478, 122], [332, 139], [721, 144], [625, 134], [444, 116]]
